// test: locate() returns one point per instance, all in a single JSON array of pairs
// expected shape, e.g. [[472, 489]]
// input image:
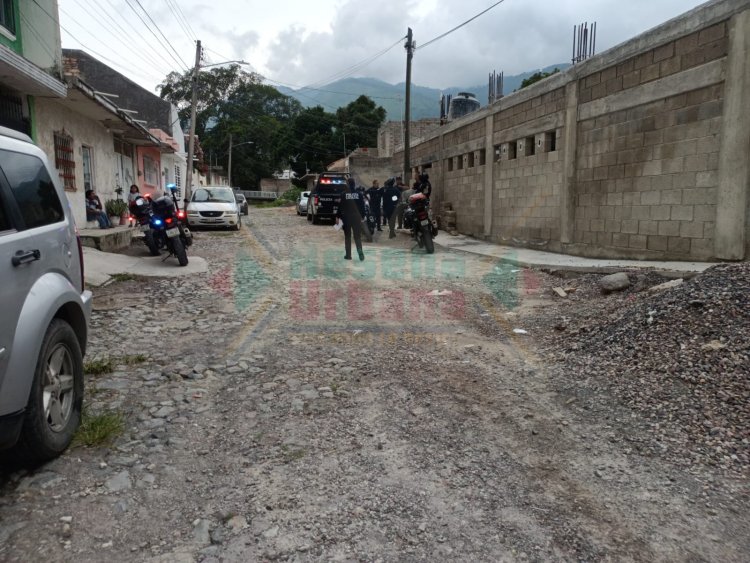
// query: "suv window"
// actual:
[[32, 189], [4, 220]]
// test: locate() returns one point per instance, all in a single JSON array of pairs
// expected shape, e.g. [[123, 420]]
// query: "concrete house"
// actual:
[[29, 61], [156, 165]]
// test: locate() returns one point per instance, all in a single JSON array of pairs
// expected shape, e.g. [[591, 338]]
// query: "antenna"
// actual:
[[584, 42]]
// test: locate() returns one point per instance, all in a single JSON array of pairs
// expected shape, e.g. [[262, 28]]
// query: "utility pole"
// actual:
[[407, 110], [229, 165], [191, 137]]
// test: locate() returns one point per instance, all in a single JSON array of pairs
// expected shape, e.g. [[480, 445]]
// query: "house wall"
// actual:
[[156, 184], [52, 117], [41, 34], [642, 151]]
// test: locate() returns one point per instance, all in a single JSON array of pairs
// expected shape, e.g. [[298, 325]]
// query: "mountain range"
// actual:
[[425, 101]]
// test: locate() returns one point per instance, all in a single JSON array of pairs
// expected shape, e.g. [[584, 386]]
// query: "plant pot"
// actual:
[[113, 220], [124, 219]]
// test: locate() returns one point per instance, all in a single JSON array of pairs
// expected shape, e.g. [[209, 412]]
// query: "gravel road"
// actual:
[[293, 406]]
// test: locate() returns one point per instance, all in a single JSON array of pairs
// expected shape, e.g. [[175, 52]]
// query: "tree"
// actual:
[[360, 121], [536, 77]]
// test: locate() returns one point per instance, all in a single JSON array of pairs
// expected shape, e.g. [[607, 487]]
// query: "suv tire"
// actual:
[[48, 430], [315, 219]]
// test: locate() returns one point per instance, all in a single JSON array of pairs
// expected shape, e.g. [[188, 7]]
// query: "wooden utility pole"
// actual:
[[407, 110], [229, 165], [191, 136]]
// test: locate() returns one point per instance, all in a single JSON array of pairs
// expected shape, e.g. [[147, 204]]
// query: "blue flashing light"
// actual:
[[157, 222]]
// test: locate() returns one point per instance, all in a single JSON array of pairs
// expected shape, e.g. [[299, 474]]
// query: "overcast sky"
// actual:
[[312, 42]]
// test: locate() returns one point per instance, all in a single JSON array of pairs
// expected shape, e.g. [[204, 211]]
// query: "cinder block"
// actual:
[[702, 249], [682, 213], [707, 179], [652, 168], [669, 228], [691, 229], [604, 239], [686, 44], [614, 199], [651, 198], [664, 52], [679, 245], [673, 165], [704, 213], [658, 243], [660, 212], [620, 239], [631, 198], [644, 60], [641, 212], [631, 79], [638, 242], [629, 226], [671, 197], [650, 73], [597, 225], [699, 196], [696, 163], [648, 228], [612, 226], [712, 33], [684, 180]]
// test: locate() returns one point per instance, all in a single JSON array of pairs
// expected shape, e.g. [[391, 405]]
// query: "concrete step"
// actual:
[[107, 240]]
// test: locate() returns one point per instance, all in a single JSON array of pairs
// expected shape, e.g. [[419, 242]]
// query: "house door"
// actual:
[[124, 170]]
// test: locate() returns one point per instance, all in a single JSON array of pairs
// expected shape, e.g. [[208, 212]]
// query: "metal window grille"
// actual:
[[65, 160]]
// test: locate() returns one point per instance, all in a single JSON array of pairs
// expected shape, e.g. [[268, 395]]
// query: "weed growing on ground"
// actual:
[[98, 367], [123, 277], [133, 359], [98, 429]]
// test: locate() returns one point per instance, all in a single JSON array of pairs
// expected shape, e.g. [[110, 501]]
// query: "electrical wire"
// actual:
[[106, 23], [161, 32], [158, 52], [38, 36], [187, 21], [180, 21], [459, 26], [179, 62]]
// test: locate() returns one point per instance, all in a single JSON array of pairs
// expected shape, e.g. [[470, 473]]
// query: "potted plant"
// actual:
[[117, 211]]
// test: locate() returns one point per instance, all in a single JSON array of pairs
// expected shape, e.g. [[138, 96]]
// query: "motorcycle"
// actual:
[[181, 215], [142, 212], [168, 231], [418, 219]]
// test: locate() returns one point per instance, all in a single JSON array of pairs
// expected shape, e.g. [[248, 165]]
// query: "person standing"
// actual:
[[375, 195], [134, 194], [391, 196], [424, 185], [405, 193], [94, 210], [350, 213]]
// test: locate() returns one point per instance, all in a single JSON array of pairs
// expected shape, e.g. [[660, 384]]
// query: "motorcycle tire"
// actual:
[[179, 250], [153, 247], [427, 236]]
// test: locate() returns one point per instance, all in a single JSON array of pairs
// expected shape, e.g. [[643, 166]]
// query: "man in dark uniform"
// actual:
[[375, 195], [351, 212], [405, 194], [390, 191], [424, 185]]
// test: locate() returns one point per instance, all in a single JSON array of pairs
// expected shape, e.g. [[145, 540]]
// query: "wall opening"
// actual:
[[482, 157], [512, 150], [550, 141], [460, 162], [529, 146], [470, 160], [449, 162]]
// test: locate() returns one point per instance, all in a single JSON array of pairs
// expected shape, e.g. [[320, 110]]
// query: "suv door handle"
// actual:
[[24, 257]]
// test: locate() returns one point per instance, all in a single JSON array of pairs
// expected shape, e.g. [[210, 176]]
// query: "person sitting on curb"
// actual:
[[94, 210]]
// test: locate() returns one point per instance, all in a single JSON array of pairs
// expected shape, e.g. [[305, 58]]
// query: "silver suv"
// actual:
[[44, 309]]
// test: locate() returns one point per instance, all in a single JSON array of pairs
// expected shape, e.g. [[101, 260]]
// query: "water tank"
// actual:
[[462, 104]]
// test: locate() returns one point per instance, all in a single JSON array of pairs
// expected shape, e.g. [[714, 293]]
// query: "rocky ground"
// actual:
[[292, 406]]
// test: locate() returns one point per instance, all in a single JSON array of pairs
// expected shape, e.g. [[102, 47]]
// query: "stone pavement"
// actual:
[[99, 267], [528, 258]]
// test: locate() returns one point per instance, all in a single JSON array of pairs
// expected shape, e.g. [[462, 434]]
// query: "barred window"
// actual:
[[65, 160]]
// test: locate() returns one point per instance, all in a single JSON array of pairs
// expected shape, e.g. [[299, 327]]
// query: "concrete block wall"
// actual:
[[651, 151]]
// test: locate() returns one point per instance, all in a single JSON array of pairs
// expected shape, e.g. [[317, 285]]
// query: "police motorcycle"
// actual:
[[418, 219], [142, 212], [168, 229]]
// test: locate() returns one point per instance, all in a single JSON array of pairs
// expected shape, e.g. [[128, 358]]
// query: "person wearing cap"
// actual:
[[350, 213]]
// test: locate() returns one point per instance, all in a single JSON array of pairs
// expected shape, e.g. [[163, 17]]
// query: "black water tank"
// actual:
[[462, 104]]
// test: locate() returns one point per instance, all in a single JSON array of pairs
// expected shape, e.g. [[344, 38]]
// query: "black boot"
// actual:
[[361, 254]]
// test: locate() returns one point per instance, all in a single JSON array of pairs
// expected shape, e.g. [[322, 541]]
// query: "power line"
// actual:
[[184, 19], [460, 25], [179, 62], [106, 22], [157, 52], [180, 20], [160, 31]]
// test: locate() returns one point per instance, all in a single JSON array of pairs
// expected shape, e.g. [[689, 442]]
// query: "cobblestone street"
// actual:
[[292, 406]]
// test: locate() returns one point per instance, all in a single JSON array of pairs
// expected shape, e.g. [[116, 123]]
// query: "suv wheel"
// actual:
[[315, 219], [54, 409]]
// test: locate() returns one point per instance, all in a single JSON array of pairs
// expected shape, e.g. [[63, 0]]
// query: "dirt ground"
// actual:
[[294, 406]]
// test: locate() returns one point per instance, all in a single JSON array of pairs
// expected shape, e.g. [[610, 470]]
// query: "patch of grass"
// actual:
[[292, 454], [334, 386], [123, 277], [133, 359], [98, 429], [98, 367]]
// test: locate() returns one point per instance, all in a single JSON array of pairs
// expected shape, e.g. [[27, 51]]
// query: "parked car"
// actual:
[[324, 199], [45, 308], [214, 206], [302, 203], [242, 202]]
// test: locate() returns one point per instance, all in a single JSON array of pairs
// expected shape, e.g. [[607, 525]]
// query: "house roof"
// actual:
[[18, 72], [83, 99]]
